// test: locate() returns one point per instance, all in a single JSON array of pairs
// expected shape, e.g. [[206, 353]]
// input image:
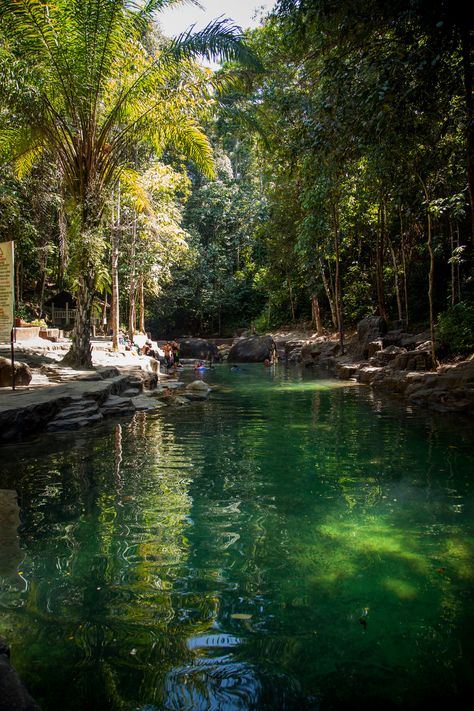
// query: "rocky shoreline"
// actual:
[[391, 361], [50, 397]]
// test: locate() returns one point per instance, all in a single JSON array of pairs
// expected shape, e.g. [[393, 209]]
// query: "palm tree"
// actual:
[[85, 86]]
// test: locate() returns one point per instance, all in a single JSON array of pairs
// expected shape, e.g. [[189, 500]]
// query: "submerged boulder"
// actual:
[[255, 349], [197, 390]]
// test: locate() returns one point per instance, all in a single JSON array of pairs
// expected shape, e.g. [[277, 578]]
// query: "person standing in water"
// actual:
[[175, 352]]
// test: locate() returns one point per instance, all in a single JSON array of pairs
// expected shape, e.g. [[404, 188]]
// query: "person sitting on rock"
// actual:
[[147, 349], [149, 343]]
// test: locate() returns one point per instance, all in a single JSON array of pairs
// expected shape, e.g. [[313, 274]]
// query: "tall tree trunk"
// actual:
[[115, 244], [132, 313], [458, 264], [104, 324], [142, 303], [43, 285], [89, 209], [292, 305], [80, 353], [379, 262], [431, 273], [18, 294], [132, 286], [395, 273], [329, 294], [453, 265], [404, 263], [337, 279], [466, 54], [316, 314], [431, 289], [62, 252]]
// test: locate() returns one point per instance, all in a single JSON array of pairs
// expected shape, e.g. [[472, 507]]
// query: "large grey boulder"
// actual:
[[23, 373], [369, 330], [410, 341], [367, 373], [419, 359], [255, 349], [320, 353], [386, 355], [198, 348], [290, 350]]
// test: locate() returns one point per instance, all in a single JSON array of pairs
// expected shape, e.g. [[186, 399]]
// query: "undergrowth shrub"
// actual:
[[455, 330]]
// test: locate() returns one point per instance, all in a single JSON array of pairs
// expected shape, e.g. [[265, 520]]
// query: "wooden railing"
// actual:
[[65, 317]]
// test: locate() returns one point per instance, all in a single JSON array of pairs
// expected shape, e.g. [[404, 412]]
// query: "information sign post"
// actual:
[[7, 299]]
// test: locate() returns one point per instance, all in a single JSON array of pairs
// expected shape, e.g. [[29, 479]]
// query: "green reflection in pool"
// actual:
[[292, 543]]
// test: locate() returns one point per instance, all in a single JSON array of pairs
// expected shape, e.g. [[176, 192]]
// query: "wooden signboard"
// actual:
[[7, 296]]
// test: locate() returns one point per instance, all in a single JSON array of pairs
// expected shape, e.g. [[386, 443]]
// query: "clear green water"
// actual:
[[291, 544]]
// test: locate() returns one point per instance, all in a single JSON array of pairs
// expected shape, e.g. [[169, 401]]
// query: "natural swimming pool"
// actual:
[[292, 543]]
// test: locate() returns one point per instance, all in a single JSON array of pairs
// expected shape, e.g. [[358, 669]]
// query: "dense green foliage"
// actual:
[[87, 85], [342, 184], [455, 330]]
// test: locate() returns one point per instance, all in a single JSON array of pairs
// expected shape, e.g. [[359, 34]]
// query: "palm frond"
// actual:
[[138, 196], [94, 33], [25, 161], [33, 27], [186, 137], [19, 145], [143, 14], [220, 40]]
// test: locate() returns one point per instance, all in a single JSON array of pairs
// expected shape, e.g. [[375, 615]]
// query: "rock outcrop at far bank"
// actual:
[[448, 389], [392, 361]]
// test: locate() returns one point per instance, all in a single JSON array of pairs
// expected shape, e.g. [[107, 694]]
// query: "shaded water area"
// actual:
[[293, 543]]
